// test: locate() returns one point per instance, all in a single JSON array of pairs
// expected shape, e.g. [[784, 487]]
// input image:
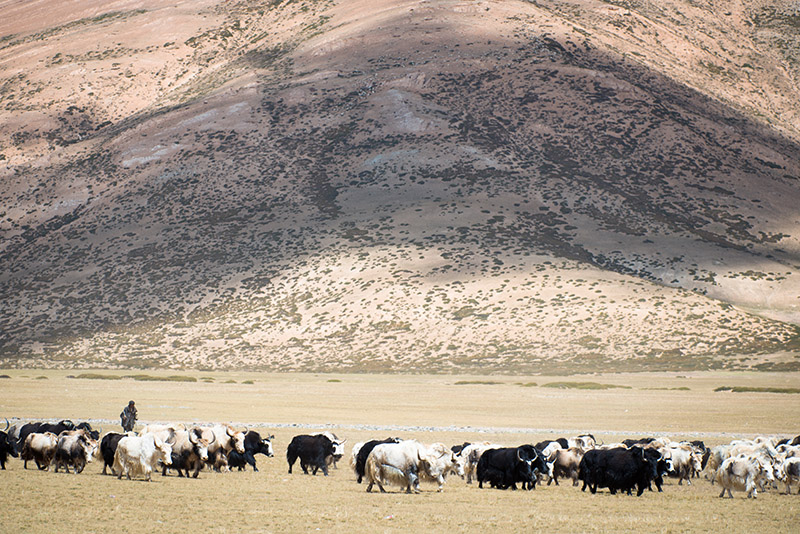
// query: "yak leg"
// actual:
[[250, 459], [413, 480], [291, 457]]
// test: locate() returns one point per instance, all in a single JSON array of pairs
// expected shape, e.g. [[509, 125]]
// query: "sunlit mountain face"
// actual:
[[427, 186]]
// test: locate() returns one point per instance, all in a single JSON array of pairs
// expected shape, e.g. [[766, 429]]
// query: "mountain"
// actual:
[[387, 185]]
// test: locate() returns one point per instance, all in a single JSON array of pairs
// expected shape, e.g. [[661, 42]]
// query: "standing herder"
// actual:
[[128, 417]]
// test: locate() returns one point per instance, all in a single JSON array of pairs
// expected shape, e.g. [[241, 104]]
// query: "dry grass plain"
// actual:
[[370, 406]]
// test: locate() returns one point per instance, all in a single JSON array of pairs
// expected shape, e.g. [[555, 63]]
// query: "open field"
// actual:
[[430, 408], [378, 186]]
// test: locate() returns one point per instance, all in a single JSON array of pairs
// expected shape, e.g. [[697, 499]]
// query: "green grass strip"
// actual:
[[171, 378], [96, 376], [749, 389]]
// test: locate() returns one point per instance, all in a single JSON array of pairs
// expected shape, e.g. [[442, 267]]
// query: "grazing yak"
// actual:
[[791, 473], [404, 463], [472, 454], [140, 455], [743, 473], [361, 452], [506, 466], [440, 462], [566, 463], [108, 446], [618, 469], [312, 451], [13, 436], [338, 447], [75, 448], [189, 451], [253, 444], [685, 461], [40, 448], [224, 437], [6, 446]]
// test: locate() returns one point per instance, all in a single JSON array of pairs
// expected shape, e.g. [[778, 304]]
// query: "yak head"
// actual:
[[163, 450], [200, 443], [266, 446], [237, 438]]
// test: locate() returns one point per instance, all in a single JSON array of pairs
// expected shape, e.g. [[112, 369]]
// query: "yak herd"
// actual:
[[635, 464]]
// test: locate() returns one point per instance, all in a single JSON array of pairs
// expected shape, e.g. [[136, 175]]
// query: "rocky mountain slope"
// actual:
[[387, 185]]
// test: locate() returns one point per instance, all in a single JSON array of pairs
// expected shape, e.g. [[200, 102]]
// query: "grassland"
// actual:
[[532, 188], [429, 408]]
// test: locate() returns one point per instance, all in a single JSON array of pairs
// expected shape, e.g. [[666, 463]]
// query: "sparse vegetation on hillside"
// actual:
[[519, 187]]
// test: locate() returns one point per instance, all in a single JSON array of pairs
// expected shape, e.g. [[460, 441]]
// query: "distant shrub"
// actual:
[[334, 380], [682, 388], [95, 376], [41, 378], [478, 382], [582, 385], [171, 378], [4, 376], [247, 382], [749, 389], [528, 384]]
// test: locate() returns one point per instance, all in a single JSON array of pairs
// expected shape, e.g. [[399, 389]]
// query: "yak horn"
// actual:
[[8, 425]]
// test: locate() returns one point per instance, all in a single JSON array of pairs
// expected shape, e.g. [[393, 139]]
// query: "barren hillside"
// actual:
[[387, 185]]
